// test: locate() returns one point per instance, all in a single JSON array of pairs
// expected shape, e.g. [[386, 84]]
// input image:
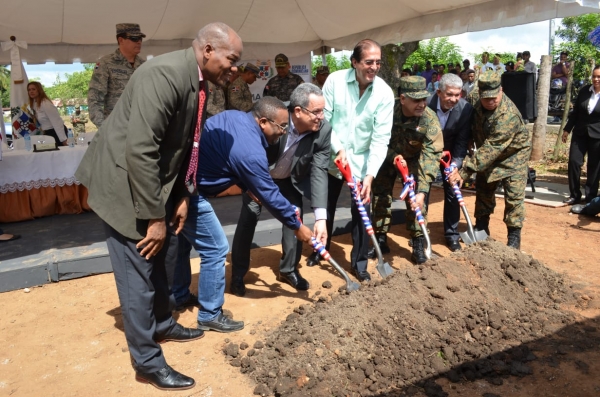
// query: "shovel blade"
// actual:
[[466, 238], [352, 286], [481, 235], [384, 269]]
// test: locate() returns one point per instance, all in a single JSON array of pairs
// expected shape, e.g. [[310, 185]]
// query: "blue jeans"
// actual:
[[203, 230]]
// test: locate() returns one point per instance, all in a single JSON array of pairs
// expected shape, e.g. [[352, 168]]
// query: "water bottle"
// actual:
[[27, 139], [70, 138]]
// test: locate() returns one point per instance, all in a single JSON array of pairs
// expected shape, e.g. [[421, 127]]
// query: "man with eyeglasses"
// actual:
[[359, 106], [232, 152], [113, 71], [298, 164]]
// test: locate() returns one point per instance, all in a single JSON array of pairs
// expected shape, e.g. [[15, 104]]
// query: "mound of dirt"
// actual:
[[463, 317]]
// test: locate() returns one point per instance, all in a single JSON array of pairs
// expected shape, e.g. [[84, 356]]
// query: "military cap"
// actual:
[[489, 84], [77, 107], [413, 87], [281, 61], [252, 68], [510, 63], [323, 70], [129, 29]]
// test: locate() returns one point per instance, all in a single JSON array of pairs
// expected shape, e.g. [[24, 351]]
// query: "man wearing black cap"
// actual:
[[282, 85], [239, 96], [503, 150], [113, 71]]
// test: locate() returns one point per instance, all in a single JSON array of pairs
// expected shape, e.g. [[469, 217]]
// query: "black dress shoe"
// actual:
[[191, 301], [295, 280], [572, 200], [313, 260], [362, 275], [237, 287], [181, 334], [577, 208], [454, 245], [166, 379], [221, 323]]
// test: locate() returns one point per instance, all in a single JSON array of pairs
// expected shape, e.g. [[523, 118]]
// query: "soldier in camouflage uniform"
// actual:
[[321, 75], [78, 120], [282, 85], [239, 96], [417, 138], [503, 150], [216, 100], [113, 71]]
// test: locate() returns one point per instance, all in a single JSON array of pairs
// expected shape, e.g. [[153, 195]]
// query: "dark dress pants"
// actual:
[[244, 233], [144, 294], [451, 211], [360, 238], [580, 145]]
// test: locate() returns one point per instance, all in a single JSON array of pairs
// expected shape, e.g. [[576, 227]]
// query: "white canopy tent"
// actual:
[[66, 31]]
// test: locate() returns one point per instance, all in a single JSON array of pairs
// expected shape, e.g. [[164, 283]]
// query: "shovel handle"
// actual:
[[354, 186], [409, 189], [445, 154], [402, 168]]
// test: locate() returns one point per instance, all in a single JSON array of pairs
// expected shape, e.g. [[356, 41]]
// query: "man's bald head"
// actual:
[[217, 48]]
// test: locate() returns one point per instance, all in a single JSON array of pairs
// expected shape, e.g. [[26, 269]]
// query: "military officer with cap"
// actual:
[[320, 76], [503, 150], [239, 96], [78, 120], [113, 71], [282, 85], [417, 139]]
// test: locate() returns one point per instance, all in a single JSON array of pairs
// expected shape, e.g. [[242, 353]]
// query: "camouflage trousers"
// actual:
[[514, 197], [383, 186]]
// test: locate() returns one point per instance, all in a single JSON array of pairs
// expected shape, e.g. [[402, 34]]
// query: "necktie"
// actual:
[[190, 176]]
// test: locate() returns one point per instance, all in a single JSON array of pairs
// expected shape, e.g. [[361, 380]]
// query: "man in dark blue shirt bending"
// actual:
[[232, 152]]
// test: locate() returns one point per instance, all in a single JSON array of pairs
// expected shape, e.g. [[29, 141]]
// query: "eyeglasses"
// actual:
[[370, 62], [316, 113], [283, 128], [134, 39]]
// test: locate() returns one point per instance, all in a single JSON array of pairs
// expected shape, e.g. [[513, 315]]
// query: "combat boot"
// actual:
[[514, 237], [418, 254], [383, 246], [483, 223]]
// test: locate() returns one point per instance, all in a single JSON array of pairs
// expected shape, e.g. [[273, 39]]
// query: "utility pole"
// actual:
[[550, 36]]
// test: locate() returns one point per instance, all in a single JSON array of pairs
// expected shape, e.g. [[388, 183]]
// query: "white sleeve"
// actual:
[[54, 117]]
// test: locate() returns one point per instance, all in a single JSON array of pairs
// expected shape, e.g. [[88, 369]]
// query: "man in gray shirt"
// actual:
[[527, 64]]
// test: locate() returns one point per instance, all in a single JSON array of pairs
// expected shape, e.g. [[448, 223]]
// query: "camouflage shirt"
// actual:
[[110, 77], [79, 126], [503, 142], [239, 96], [282, 87], [420, 141], [216, 100]]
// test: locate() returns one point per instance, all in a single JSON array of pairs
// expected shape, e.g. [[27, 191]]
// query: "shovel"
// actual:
[[409, 189], [320, 248], [471, 235], [382, 267]]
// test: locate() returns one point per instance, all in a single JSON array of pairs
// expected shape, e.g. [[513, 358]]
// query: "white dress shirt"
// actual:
[[49, 118], [593, 100]]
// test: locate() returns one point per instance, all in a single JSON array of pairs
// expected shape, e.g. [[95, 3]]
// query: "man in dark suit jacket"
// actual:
[[298, 165], [584, 121], [135, 171], [455, 115]]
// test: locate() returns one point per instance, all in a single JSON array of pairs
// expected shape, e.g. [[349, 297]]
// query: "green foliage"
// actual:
[[333, 62], [5, 86], [440, 50], [574, 32], [75, 85]]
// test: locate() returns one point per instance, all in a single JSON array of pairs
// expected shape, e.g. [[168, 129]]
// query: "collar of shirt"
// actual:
[[351, 79], [593, 100], [443, 116], [200, 77]]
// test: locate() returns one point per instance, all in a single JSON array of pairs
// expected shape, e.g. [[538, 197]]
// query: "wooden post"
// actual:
[[394, 56], [543, 93], [559, 145]]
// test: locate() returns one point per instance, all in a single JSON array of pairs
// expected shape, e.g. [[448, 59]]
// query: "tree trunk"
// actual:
[[393, 58], [543, 93], [558, 146]]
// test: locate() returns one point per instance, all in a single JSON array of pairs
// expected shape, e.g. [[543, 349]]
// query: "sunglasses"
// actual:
[[134, 39]]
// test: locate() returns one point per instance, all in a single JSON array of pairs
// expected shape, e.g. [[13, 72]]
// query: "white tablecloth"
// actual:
[[22, 170]]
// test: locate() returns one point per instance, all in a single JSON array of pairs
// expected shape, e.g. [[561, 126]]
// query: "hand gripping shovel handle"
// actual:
[[320, 248], [409, 189], [448, 168], [382, 267]]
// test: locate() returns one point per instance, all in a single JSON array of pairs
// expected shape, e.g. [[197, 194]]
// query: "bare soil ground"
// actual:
[[66, 339]]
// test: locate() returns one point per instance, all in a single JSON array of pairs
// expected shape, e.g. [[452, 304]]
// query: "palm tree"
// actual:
[[4, 78]]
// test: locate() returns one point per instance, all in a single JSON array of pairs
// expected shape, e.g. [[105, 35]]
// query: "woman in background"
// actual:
[[46, 113], [584, 120]]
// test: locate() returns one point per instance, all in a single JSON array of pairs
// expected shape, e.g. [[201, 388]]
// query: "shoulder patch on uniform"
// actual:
[[97, 65], [235, 89]]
